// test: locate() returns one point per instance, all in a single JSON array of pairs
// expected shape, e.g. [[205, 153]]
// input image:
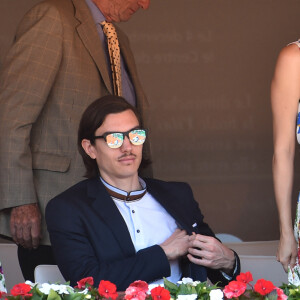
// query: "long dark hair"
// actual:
[[92, 118]]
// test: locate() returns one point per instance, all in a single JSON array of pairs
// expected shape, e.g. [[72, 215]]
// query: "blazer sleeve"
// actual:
[[26, 79], [87, 247], [200, 227]]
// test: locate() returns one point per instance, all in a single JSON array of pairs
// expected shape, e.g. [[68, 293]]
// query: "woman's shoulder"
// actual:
[[288, 62], [297, 43], [291, 51]]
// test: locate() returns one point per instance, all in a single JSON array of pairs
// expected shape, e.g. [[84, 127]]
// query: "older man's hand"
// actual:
[[176, 245], [207, 251], [25, 225]]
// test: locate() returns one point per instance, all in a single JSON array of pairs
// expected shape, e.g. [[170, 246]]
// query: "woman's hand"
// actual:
[[287, 251]]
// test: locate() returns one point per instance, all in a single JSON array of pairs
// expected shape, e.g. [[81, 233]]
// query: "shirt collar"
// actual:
[[123, 195], [95, 11]]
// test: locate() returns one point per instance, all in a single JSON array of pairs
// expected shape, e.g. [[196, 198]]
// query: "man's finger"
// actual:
[[199, 260], [35, 235], [35, 242], [196, 251], [27, 236], [13, 231]]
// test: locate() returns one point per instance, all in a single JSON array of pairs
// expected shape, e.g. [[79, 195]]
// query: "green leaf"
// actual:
[[74, 296], [36, 296], [291, 290], [272, 296], [53, 296], [170, 286], [35, 291], [203, 288], [186, 289]]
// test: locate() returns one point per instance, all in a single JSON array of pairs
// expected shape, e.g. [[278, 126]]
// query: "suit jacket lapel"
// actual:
[[109, 213], [170, 205], [128, 57], [88, 34], [126, 53]]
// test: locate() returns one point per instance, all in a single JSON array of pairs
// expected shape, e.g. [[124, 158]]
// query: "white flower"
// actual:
[[85, 291], [187, 297], [185, 280], [189, 281], [59, 288], [64, 289], [216, 295], [44, 288], [30, 283]]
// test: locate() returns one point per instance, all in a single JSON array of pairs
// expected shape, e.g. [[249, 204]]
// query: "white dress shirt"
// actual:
[[148, 223]]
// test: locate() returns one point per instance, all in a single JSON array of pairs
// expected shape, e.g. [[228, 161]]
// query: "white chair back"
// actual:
[[48, 274], [228, 238], [267, 248], [266, 267], [10, 264]]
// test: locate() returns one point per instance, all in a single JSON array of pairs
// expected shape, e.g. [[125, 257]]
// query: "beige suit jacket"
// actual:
[[56, 67]]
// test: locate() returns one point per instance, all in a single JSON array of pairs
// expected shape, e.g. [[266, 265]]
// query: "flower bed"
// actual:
[[241, 288]]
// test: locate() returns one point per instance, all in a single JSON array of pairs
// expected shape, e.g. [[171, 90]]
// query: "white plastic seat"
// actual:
[[48, 274], [266, 267], [10, 264], [267, 248], [228, 238]]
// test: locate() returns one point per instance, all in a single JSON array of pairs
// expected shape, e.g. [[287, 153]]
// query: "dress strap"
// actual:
[[296, 43], [298, 124]]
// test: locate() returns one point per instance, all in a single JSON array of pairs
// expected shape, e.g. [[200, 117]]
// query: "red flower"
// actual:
[[21, 289], [263, 287], [107, 289], [245, 277], [85, 282], [234, 289], [280, 294], [135, 293], [2, 294], [142, 285], [160, 293]]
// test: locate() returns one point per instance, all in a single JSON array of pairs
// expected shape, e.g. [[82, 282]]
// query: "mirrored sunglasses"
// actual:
[[115, 139]]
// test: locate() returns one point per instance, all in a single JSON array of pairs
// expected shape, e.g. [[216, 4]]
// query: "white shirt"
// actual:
[[148, 223]]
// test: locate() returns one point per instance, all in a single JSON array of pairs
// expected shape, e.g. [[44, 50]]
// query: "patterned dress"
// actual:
[[2, 280], [294, 273]]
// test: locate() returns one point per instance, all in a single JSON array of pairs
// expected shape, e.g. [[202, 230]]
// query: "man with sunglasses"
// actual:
[[119, 227]]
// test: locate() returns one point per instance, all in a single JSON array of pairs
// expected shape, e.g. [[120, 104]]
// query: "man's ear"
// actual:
[[88, 148]]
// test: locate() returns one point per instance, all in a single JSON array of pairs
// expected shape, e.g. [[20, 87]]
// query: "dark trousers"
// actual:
[[30, 258]]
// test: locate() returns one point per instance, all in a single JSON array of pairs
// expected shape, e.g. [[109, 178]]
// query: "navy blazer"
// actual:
[[89, 236]]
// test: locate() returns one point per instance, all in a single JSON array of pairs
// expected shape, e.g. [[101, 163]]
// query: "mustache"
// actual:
[[126, 154]]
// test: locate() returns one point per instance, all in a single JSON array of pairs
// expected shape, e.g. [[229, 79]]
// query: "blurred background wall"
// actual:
[[206, 66]]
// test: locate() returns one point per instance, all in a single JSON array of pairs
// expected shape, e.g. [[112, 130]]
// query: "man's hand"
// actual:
[[209, 252], [25, 225], [176, 245]]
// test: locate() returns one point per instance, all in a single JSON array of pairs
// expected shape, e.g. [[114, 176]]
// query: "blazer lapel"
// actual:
[[109, 213], [183, 220], [88, 34], [128, 57], [126, 53], [171, 206]]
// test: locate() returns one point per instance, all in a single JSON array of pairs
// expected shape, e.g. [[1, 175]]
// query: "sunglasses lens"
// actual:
[[137, 136], [114, 140]]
